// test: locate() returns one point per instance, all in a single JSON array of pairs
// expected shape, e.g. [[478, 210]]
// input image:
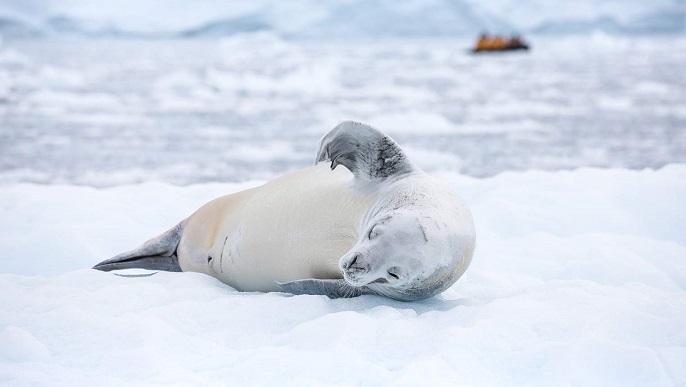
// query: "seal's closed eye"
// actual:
[[371, 234]]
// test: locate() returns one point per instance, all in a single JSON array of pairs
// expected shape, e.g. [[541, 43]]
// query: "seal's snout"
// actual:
[[355, 267]]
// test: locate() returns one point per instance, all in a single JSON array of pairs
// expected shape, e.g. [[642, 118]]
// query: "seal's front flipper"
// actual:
[[158, 253], [367, 152], [330, 288]]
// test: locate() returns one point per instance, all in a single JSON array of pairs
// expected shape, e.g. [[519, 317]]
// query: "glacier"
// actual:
[[309, 19]]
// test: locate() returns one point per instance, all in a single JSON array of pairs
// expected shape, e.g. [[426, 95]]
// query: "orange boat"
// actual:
[[487, 43]]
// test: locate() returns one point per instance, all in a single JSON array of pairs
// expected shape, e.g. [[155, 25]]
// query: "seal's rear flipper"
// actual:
[[156, 262], [367, 152], [330, 288], [158, 253]]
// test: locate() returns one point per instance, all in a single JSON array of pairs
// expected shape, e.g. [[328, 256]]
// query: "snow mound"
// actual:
[[579, 278], [19, 345]]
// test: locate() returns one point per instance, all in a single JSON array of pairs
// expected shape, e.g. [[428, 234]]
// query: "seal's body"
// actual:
[[379, 226], [294, 227]]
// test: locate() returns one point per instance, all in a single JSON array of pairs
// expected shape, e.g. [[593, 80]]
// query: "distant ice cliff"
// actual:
[[357, 19]]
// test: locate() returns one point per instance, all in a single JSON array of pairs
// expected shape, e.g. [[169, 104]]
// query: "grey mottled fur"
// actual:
[[367, 152], [332, 288]]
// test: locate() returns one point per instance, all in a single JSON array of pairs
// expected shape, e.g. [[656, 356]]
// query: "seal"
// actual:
[[380, 225]]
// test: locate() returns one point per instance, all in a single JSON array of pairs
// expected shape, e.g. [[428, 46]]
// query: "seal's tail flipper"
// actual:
[[158, 253], [156, 262]]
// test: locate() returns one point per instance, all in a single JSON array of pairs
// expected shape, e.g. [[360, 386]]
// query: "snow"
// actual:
[[579, 278], [18, 345]]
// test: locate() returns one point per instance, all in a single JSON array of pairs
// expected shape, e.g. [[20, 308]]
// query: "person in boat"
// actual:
[[483, 43], [515, 42], [499, 43]]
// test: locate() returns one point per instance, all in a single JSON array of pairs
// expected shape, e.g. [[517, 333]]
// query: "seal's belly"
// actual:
[[294, 227]]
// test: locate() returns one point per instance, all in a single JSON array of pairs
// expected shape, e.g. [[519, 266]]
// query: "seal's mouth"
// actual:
[[352, 280]]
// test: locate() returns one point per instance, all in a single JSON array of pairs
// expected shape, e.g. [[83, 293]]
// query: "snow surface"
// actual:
[[579, 278]]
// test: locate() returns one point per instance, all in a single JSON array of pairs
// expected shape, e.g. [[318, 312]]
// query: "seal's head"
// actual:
[[408, 256]]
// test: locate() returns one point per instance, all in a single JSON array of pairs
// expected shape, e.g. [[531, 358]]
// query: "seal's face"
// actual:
[[403, 256]]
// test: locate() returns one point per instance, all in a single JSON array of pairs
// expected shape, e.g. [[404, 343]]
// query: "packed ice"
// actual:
[[253, 106]]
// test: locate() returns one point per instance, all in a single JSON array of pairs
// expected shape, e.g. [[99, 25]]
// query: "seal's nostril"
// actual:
[[354, 260]]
